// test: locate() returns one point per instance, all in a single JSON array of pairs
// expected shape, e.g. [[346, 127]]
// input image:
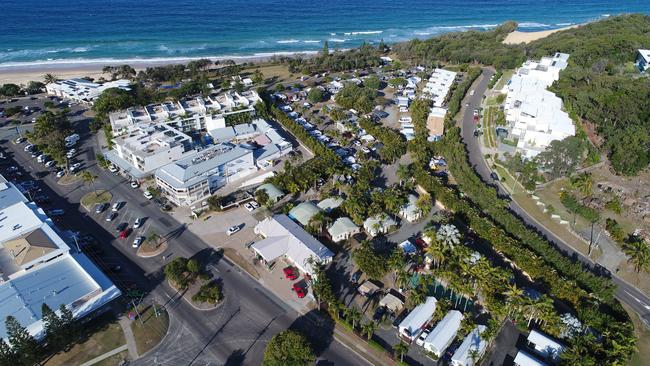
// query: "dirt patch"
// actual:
[[242, 262], [150, 250], [592, 134]]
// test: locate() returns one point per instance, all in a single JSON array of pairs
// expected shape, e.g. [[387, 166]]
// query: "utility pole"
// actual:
[[137, 312]]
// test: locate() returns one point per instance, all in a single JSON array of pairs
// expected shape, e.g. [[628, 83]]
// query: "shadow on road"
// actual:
[[317, 327]]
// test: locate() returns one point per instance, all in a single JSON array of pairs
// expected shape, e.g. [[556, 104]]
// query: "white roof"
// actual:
[[342, 225], [545, 345], [473, 342], [285, 237], [418, 317], [645, 54], [392, 302], [444, 333], [524, 359]]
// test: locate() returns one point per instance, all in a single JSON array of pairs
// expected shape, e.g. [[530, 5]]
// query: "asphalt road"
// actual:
[[236, 333], [625, 292]]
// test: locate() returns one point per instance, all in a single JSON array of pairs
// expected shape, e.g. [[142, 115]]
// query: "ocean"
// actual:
[[41, 32]]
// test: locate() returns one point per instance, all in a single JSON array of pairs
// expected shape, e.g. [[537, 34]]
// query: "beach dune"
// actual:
[[518, 37]]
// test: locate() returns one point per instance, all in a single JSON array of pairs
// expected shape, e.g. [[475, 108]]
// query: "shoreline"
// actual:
[[22, 73], [518, 37]]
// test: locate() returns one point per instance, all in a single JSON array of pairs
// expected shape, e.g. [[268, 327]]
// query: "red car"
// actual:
[[124, 233], [299, 290], [289, 273]]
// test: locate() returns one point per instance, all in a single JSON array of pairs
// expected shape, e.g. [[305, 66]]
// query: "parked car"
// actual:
[[20, 140], [29, 147], [100, 207], [138, 222], [111, 216], [379, 313], [494, 176], [422, 337], [75, 166], [50, 163], [290, 273], [249, 207], [138, 241], [56, 212], [135, 184], [299, 290], [112, 168], [233, 229], [117, 205], [60, 173], [121, 227], [71, 153], [35, 153], [148, 195], [124, 233]]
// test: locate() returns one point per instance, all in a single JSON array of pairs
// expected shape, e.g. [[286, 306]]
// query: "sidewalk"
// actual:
[[105, 356], [125, 323]]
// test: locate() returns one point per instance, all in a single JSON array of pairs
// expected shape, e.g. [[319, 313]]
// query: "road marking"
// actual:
[[646, 306]]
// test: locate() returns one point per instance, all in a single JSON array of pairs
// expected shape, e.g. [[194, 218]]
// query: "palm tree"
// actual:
[[417, 296], [584, 183], [401, 348], [402, 278], [638, 253], [369, 329], [403, 173], [49, 78], [448, 235], [514, 296], [88, 178], [354, 315], [153, 238]]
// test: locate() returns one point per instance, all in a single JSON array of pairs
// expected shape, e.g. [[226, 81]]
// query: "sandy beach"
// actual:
[[22, 74], [517, 37]]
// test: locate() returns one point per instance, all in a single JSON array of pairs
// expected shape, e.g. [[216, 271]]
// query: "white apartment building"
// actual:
[[190, 114], [534, 114], [82, 90], [37, 267], [146, 147], [195, 177], [438, 86]]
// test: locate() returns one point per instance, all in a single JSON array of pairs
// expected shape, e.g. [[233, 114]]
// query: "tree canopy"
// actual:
[[288, 348]]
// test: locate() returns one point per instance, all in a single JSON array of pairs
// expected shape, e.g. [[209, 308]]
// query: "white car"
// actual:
[[254, 204], [422, 337], [365, 150], [50, 163], [148, 195], [138, 241], [112, 168], [60, 173], [134, 184], [249, 207], [29, 147], [75, 166], [233, 229], [111, 216], [137, 223], [71, 153], [20, 140], [116, 206]]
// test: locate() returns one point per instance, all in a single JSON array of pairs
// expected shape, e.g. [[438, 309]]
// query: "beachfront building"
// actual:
[[189, 115], [533, 113], [643, 60], [412, 325], [285, 238], [141, 149], [82, 90], [472, 348], [195, 177], [37, 266], [444, 333], [438, 86], [342, 229]]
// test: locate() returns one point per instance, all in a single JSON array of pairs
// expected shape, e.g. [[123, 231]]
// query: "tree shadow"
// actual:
[[318, 328], [236, 358]]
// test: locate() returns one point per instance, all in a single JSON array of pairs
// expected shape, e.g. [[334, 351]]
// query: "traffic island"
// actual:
[[68, 179], [205, 294], [196, 285], [89, 200], [152, 248], [149, 326]]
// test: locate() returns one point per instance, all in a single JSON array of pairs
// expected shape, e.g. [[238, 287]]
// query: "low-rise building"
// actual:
[[141, 149], [525, 359], [195, 177], [643, 60], [472, 348], [342, 229], [378, 224], [533, 113], [274, 193], [444, 333], [38, 267], [436, 123], [438, 86], [330, 203], [82, 90], [392, 303], [545, 346], [283, 237], [415, 321], [303, 212], [410, 211]]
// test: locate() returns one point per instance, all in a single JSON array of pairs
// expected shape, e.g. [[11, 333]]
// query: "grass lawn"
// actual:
[[103, 334], [642, 355], [278, 73], [91, 199], [241, 261], [152, 330], [504, 79], [113, 360]]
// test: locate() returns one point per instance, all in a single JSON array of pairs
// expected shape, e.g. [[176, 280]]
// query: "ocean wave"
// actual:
[[362, 33], [311, 41], [533, 25], [12, 54], [564, 24], [466, 26], [605, 15], [287, 41], [338, 40], [171, 50]]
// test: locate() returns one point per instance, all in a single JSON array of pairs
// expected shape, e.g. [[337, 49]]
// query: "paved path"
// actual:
[[105, 355], [125, 323]]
